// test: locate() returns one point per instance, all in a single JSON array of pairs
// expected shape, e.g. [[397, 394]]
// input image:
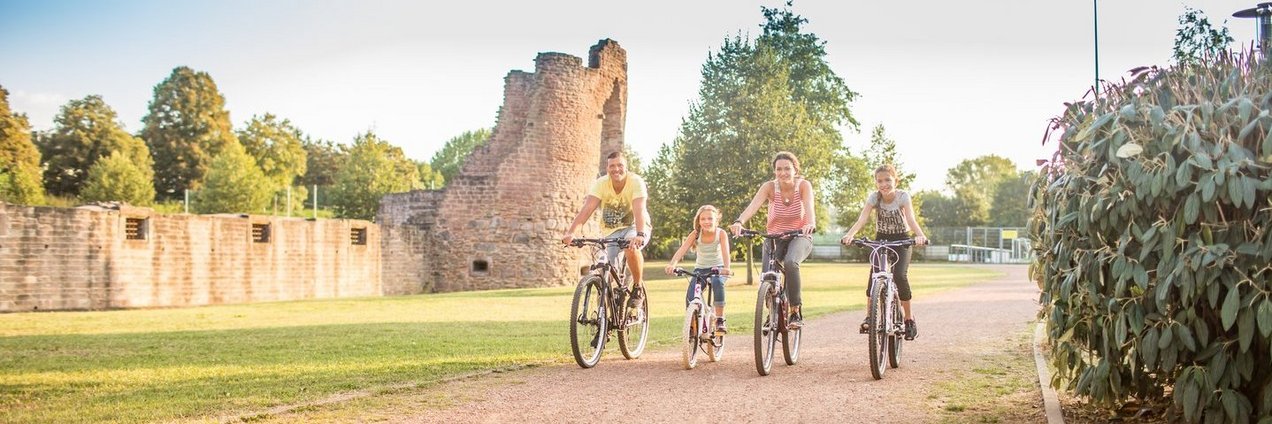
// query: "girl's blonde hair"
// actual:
[[697, 230], [888, 169]]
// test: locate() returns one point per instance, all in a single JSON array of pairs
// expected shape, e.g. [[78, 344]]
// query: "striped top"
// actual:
[[708, 255], [786, 215]]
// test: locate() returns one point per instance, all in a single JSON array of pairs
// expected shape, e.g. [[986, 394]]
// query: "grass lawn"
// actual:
[[224, 361]]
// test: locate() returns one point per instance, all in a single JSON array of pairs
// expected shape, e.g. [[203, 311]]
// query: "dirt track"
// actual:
[[831, 383]]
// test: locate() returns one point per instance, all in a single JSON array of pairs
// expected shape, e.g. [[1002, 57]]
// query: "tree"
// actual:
[[756, 98], [234, 184], [429, 179], [813, 83], [277, 147], [187, 125], [374, 168], [323, 160], [118, 178], [19, 158], [450, 159], [961, 210], [1009, 206], [883, 151], [279, 151], [84, 132], [975, 181], [1196, 38]]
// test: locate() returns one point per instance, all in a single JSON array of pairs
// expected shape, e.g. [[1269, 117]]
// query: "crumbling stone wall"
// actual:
[[498, 223], [99, 258]]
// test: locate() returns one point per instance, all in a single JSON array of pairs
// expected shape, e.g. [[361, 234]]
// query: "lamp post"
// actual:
[[1095, 17], [1263, 24]]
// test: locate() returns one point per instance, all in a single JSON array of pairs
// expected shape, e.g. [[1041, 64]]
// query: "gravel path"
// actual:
[[831, 383]]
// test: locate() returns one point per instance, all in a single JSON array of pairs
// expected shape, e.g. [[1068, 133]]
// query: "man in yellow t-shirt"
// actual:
[[621, 198]]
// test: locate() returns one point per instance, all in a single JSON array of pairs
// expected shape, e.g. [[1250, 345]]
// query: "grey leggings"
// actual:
[[796, 249]]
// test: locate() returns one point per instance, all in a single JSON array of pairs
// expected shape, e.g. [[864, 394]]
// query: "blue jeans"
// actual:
[[717, 288]]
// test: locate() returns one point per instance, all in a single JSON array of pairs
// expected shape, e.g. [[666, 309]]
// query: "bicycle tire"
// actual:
[[632, 349], [895, 339], [878, 334], [689, 339], [790, 343], [588, 298], [765, 329], [714, 346]]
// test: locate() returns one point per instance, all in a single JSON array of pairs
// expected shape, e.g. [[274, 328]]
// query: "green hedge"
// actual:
[[1152, 230]]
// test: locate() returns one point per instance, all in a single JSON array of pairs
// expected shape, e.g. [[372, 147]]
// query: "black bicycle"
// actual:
[[699, 333], [600, 307], [772, 309], [884, 317]]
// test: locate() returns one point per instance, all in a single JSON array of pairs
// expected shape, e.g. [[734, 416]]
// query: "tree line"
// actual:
[[187, 143]]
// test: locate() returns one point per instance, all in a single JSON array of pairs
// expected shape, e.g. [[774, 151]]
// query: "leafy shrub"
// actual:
[[1152, 230]]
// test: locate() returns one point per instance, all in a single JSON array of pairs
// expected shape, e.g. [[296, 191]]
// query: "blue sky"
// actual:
[[949, 80]]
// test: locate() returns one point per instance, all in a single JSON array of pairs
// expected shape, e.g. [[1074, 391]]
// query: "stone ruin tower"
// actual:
[[498, 223]]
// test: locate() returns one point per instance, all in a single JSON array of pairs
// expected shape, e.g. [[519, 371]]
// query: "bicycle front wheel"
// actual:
[[715, 346], [765, 328], [633, 331], [790, 345], [895, 338], [588, 323], [878, 331], [689, 336]]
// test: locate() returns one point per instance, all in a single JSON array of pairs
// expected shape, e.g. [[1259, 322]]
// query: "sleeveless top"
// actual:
[[785, 215], [708, 253], [888, 218]]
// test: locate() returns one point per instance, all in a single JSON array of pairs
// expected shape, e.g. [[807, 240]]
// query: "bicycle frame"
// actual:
[[612, 272]]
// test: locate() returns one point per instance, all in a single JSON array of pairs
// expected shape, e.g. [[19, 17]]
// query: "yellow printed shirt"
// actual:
[[616, 207]]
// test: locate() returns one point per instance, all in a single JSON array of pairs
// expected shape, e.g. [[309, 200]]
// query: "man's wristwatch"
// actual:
[[640, 234], [737, 221]]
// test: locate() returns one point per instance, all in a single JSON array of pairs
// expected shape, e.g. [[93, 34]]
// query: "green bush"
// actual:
[[1152, 230]]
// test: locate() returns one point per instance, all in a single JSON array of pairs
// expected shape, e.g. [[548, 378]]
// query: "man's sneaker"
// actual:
[[596, 339], [797, 320], [911, 330], [721, 327], [865, 326], [635, 299]]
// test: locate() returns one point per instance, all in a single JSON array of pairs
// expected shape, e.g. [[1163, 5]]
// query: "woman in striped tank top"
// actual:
[[712, 245], [790, 208]]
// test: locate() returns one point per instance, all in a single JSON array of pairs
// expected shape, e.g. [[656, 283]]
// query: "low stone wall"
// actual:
[[100, 258]]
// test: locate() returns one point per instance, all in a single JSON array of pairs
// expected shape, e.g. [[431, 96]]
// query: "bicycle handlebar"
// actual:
[[622, 243], [865, 242], [714, 271], [746, 232]]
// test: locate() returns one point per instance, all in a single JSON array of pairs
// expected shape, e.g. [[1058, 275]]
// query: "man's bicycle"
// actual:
[[600, 307], [884, 318], [772, 309], [699, 332]]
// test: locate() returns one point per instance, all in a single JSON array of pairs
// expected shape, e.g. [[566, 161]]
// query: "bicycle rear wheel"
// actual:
[[765, 328], [895, 337], [632, 332], [588, 323], [689, 336], [878, 332]]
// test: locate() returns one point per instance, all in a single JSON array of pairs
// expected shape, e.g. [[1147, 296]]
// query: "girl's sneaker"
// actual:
[[911, 330], [721, 328], [865, 326]]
